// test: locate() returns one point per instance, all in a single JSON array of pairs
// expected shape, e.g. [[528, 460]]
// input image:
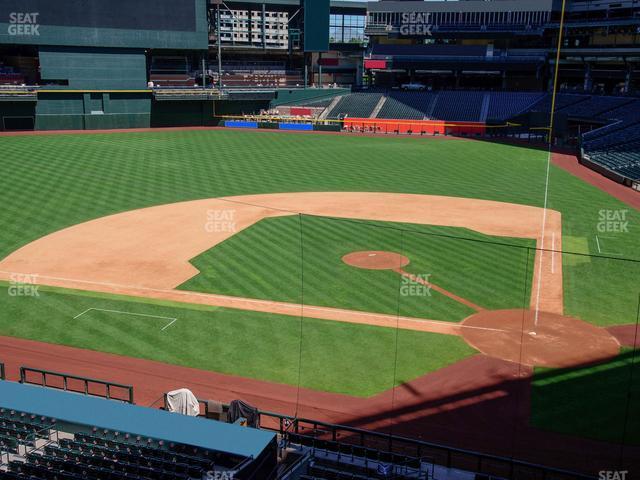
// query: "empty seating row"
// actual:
[[173, 453], [459, 106], [623, 159], [351, 451], [454, 106], [595, 107], [45, 467], [407, 105], [320, 103], [92, 458], [26, 418], [101, 466], [505, 105], [623, 133], [357, 105], [70, 449], [562, 100]]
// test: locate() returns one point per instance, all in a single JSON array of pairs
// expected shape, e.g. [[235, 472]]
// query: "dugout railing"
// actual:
[[450, 457], [87, 386], [321, 435]]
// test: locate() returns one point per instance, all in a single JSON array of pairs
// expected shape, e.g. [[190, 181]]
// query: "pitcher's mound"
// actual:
[[376, 260], [555, 341]]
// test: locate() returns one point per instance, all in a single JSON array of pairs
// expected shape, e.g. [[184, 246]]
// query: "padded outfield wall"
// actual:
[[81, 110], [73, 110]]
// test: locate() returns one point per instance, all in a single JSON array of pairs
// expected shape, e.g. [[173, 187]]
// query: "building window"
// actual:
[[346, 28]]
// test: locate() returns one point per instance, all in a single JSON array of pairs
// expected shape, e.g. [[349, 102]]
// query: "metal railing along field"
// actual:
[[77, 384], [348, 440]]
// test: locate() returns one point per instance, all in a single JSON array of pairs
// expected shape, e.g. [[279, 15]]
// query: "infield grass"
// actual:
[[266, 261]]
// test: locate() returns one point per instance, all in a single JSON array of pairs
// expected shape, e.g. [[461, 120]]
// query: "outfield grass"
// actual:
[[601, 401], [265, 261], [336, 357], [52, 182]]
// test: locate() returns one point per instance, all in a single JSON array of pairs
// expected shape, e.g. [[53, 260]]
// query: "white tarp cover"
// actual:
[[183, 401]]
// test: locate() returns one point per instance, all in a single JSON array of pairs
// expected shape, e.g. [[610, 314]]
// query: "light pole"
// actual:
[[219, 41]]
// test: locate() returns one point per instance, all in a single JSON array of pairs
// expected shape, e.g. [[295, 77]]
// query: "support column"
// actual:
[[264, 27], [588, 82], [627, 79], [204, 73], [359, 73]]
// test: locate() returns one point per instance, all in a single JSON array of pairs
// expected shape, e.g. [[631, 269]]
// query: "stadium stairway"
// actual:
[[358, 105], [484, 110], [325, 114], [408, 105], [379, 106]]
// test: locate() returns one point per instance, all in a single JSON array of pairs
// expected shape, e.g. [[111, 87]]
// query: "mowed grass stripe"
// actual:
[[590, 401], [248, 344], [268, 253], [486, 274]]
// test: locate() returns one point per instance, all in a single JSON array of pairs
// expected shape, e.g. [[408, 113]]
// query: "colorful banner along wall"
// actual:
[[295, 126], [375, 64], [419, 127], [302, 111]]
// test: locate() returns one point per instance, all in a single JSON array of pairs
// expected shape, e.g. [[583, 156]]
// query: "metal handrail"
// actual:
[[510, 463], [65, 383]]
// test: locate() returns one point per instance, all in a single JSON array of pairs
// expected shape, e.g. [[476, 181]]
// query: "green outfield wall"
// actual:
[[99, 110]]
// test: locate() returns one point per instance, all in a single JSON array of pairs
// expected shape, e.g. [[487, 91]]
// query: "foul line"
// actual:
[[554, 94], [418, 321], [173, 320], [553, 252], [600, 250]]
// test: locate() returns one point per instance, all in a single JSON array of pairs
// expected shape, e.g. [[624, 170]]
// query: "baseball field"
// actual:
[[402, 277]]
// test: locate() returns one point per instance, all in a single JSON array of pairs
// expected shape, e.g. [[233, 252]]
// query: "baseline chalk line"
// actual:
[[173, 320]]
